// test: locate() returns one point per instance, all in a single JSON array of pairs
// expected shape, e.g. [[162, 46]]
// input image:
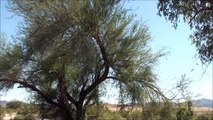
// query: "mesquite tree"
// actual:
[[67, 49]]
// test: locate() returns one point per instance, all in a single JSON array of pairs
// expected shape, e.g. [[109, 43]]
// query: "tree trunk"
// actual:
[[66, 115], [80, 112]]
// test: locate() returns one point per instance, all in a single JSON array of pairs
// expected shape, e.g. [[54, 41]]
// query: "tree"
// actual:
[[69, 49], [199, 15]]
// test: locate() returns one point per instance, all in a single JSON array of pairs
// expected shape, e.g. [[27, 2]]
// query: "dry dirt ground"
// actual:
[[113, 107], [9, 116], [202, 109]]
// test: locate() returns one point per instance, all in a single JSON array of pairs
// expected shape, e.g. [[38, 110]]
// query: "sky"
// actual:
[[180, 58]]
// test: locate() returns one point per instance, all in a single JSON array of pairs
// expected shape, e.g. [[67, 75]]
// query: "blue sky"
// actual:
[[180, 59]]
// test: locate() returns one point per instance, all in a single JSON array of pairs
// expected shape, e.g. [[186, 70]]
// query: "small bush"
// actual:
[[25, 117], [19, 117], [14, 104]]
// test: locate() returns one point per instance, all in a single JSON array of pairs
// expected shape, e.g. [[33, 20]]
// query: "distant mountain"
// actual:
[[3, 103], [203, 103], [198, 103]]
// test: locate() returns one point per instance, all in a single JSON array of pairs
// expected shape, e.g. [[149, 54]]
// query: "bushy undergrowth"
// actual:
[[152, 111]]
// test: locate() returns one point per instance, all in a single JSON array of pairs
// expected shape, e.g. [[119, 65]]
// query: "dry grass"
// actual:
[[114, 107], [202, 109]]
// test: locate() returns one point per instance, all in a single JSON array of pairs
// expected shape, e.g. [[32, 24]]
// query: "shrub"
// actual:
[[14, 104]]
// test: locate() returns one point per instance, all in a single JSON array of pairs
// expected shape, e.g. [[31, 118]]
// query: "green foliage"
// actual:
[[25, 117], [15, 104], [168, 111], [28, 112], [184, 114], [24, 111], [28, 109], [185, 111], [2, 112], [99, 112], [150, 111], [198, 14], [204, 116], [69, 48], [134, 114], [3, 39], [48, 111], [159, 111]]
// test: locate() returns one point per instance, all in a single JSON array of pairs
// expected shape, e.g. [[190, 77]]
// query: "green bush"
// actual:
[[158, 111], [29, 117], [185, 113], [135, 115], [19, 117], [202, 117], [14, 104], [100, 112], [25, 117], [27, 112], [2, 111]]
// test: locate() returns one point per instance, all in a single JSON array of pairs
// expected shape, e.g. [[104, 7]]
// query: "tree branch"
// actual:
[[198, 12], [63, 88], [103, 77], [32, 87]]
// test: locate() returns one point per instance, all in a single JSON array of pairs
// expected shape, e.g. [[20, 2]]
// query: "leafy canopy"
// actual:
[[199, 15], [68, 49]]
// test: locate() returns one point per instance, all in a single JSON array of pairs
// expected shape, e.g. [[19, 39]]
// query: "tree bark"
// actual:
[[79, 112], [66, 115]]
